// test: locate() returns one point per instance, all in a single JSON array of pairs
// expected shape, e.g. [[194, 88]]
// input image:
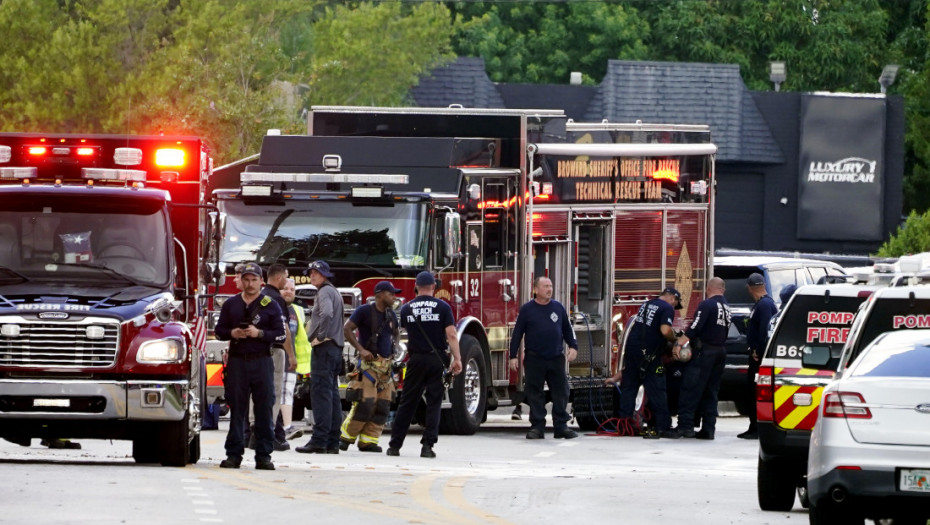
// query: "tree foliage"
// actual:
[[912, 237], [542, 42]]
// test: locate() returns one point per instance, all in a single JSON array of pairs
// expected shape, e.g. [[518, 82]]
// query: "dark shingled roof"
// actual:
[[573, 100], [653, 92], [464, 81], [688, 93]]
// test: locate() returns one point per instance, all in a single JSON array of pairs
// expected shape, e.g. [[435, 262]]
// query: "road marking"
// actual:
[[544, 455], [567, 444], [212, 520], [205, 511], [454, 492], [202, 502], [190, 480]]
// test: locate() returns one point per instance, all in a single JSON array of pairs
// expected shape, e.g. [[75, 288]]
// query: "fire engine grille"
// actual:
[[61, 345]]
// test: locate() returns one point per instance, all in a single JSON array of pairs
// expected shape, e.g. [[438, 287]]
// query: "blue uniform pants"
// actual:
[[653, 382], [253, 377], [699, 387], [325, 364], [552, 372], [424, 374]]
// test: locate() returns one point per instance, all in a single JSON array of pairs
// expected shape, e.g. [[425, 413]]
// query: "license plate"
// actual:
[[915, 480], [58, 403]]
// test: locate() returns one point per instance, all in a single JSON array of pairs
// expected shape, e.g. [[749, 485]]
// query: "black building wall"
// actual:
[[750, 214]]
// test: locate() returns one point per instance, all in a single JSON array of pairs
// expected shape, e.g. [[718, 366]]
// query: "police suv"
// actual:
[[788, 393]]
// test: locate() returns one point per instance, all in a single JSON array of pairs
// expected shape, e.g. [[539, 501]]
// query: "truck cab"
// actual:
[[99, 240]]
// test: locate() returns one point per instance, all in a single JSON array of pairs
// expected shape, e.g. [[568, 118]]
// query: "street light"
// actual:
[[889, 73], [778, 72]]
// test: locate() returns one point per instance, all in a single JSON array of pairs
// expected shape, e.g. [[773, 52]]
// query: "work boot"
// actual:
[[231, 462], [60, 444], [281, 446], [293, 433], [307, 449], [709, 436], [749, 434], [649, 433], [391, 451], [687, 433], [369, 447], [427, 452], [535, 433], [517, 414], [264, 465], [344, 445], [670, 434], [565, 433]]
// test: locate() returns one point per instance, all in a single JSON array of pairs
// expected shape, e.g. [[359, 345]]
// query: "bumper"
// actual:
[[872, 492], [95, 400], [789, 445]]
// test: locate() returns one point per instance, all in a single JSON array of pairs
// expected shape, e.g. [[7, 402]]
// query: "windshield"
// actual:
[[335, 231], [66, 239]]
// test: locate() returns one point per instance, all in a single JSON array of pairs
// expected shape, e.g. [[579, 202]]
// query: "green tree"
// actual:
[[912, 237], [542, 42], [373, 53]]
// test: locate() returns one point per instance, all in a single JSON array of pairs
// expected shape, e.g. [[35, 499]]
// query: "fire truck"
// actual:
[[100, 240], [487, 200]]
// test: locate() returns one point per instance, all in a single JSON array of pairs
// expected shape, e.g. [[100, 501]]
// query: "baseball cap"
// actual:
[[322, 267], [755, 279], [252, 268], [426, 279], [676, 293], [386, 286]]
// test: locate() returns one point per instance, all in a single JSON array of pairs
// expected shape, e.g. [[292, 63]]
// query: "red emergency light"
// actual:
[[669, 175], [85, 152], [37, 151], [169, 157]]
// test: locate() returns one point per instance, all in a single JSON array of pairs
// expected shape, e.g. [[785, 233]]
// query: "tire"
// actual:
[[194, 450], [803, 496], [175, 443], [145, 448], [468, 393], [775, 486]]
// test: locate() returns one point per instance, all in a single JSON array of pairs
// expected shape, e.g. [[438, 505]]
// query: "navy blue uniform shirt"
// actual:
[[267, 317], [384, 320], [543, 327], [275, 294], [654, 314], [757, 330], [435, 315], [711, 321]]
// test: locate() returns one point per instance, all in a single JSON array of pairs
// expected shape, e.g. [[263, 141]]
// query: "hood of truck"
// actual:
[[57, 301]]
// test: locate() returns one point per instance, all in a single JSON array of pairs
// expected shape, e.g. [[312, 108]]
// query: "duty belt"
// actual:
[[250, 356]]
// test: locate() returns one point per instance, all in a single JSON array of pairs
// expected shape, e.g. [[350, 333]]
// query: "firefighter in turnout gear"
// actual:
[[373, 383]]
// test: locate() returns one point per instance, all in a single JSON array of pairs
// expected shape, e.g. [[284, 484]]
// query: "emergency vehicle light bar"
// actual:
[[622, 150], [350, 178], [6, 153], [18, 173], [113, 174], [127, 156]]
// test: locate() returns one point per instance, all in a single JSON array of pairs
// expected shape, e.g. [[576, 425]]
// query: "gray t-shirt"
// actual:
[[326, 318]]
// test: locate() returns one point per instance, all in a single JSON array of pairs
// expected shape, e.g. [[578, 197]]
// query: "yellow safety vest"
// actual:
[[301, 343]]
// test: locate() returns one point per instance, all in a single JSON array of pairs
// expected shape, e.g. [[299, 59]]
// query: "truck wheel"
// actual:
[[174, 443], [468, 393], [194, 450], [145, 448], [775, 486]]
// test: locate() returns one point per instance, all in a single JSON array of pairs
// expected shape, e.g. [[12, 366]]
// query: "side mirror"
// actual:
[[218, 222], [816, 357], [452, 235]]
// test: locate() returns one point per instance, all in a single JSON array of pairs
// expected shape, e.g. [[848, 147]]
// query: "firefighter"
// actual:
[[377, 329], [757, 335], [543, 326], [642, 363], [707, 337], [430, 326], [253, 322]]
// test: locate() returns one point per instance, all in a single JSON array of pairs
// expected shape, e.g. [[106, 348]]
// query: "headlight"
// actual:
[[161, 351]]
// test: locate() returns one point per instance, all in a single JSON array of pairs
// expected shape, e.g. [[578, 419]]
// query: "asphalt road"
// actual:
[[496, 476]]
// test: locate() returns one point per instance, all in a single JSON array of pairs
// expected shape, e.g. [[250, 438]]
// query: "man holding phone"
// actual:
[[252, 322]]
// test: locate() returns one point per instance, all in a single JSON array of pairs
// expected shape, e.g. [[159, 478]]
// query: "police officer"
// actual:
[[707, 337], [377, 331], [252, 322], [430, 326], [545, 329], [757, 335], [326, 338], [642, 363]]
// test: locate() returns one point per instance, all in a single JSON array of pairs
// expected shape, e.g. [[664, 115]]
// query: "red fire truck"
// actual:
[[100, 237], [486, 199]]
